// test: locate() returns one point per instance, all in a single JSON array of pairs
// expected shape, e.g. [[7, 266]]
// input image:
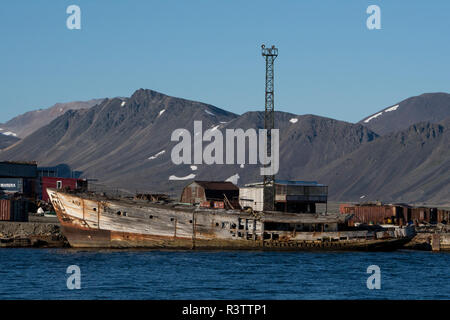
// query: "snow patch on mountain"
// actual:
[[157, 155], [9, 133], [391, 108], [175, 178], [234, 178], [373, 117]]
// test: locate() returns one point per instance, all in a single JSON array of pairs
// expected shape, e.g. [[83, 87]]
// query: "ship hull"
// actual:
[[109, 239], [102, 223]]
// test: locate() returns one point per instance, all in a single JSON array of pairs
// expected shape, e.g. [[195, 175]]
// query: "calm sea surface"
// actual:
[[41, 274]]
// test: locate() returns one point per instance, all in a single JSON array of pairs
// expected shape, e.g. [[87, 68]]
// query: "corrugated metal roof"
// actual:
[[288, 182], [301, 183], [217, 185], [18, 169]]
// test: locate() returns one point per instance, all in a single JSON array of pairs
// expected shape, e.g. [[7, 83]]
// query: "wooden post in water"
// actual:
[[193, 230], [98, 215], [436, 242], [175, 227]]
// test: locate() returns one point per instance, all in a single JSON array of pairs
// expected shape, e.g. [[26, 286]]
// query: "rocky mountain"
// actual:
[[24, 124], [7, 140], [307, 143], [125, 143], [412, 165], [432, 107], [114, 140]]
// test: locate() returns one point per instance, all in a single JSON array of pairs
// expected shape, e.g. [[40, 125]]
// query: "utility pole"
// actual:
[[270, 55]]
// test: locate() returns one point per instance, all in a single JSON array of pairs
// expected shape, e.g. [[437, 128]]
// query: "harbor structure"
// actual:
[[59, 177], [19, 187], [290, 196], [61, 183], [19, 178], [211, 194]]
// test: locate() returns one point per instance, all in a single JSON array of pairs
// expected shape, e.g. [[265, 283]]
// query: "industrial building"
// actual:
[[19, 178], [290, 196], [59, 171], [61, 183], [212, 194], [60, 177], [19, 186]]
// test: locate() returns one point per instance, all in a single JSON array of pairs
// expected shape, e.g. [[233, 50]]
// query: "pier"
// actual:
[[39, 232]]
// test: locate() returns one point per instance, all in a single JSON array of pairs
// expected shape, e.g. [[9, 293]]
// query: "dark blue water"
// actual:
[[41, 274]]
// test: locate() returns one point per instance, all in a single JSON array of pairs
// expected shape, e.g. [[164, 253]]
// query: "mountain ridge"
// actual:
[[126, 143], [432, 107], [28, 122]]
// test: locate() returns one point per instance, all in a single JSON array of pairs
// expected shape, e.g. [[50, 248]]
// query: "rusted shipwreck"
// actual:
[[91, 220]]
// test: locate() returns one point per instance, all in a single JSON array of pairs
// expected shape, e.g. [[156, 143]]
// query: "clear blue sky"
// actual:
[[329, 63]]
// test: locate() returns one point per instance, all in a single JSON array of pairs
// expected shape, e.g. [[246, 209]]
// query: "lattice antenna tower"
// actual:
[[270, 54]]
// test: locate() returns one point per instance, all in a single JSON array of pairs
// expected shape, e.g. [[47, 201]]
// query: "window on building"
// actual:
[[58, 184]]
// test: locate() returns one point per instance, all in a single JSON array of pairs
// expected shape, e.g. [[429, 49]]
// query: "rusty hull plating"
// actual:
[[94, 221]]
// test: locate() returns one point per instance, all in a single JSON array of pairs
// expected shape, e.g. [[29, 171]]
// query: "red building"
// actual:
[[61, 183]]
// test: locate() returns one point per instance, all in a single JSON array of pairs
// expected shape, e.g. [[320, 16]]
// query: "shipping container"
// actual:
[[443, 216], [14, 210], [400, 214], [11, 185], [205, 204], [424, 215], [375, 214], [219, 205], [18, 177], [5, 210]]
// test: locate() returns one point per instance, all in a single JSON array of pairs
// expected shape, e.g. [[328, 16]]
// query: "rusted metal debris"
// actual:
[[157, 197]]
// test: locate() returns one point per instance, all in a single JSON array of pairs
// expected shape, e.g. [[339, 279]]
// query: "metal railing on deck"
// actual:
[[108, 190], [115, 192]]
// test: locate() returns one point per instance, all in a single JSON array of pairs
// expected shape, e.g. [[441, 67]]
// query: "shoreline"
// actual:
[[43, 232], [39, 232]]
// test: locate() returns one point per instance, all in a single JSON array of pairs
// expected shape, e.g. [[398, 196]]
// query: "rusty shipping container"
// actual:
[[13, 210], [398, 214], [375, 214], [5, 210], [424, 215], [443, 216]]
